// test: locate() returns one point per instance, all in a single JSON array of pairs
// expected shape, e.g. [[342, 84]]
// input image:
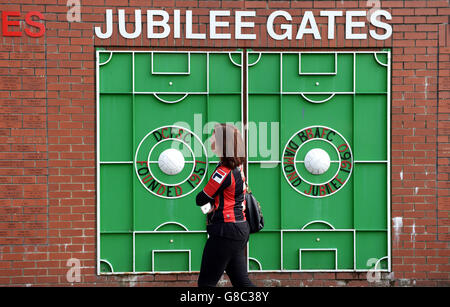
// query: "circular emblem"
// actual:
[[317, 161], [171, 162]]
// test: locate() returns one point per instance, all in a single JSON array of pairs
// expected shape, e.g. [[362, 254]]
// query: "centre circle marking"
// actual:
[[332, 184], [157, 186]]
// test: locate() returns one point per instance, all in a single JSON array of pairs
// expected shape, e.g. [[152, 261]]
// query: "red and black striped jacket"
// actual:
[[225, 191]]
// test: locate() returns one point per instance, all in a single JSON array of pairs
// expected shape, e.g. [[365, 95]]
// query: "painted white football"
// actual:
[[171, 161], [317, 161]]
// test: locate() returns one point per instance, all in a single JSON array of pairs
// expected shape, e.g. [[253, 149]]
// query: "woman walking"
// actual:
[[227, 227]]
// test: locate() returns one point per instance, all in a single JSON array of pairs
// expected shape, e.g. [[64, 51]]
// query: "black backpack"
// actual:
[[253, 212]]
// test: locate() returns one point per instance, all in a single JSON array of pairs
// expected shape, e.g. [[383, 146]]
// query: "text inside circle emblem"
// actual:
[[171, 162], [317, 161]]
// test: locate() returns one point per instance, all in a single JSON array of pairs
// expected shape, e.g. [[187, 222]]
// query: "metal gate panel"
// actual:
[[148, 102], [338, 102]]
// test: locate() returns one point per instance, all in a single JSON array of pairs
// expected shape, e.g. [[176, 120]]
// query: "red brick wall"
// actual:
[[47, 137]]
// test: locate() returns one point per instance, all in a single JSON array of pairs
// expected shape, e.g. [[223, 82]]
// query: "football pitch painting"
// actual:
[[317, 127]]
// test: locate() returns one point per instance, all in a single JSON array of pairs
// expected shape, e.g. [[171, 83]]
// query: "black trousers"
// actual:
[[223, 254]]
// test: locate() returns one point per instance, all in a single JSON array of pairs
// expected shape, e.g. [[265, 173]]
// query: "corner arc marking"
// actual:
[[108, 263], [256, 62], [257, 262], [375, 55], [107, 61], [232, 61]]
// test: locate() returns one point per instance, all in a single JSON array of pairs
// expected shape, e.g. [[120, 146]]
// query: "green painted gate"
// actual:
[[292, 102]]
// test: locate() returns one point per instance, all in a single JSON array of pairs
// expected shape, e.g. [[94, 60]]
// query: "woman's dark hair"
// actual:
[[229, 145]]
